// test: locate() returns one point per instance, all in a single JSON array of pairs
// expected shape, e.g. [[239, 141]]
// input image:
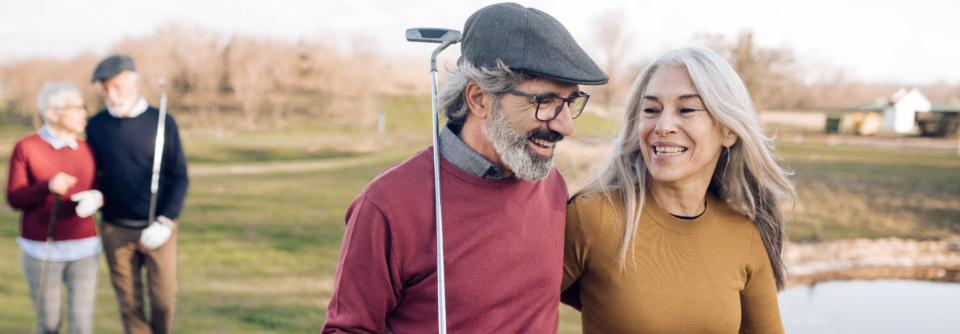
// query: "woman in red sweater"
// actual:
[[54, 161]]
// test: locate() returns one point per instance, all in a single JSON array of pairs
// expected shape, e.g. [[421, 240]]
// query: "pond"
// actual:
[[879, 306]]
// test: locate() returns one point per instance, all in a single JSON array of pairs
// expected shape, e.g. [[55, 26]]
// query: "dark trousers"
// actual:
[[126, 258]]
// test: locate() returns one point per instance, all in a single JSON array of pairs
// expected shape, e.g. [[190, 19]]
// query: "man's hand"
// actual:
[[61, 182], [88, 202], [157, 233]]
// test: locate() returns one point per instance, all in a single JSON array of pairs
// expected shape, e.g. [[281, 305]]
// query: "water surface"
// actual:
[[880, 306]]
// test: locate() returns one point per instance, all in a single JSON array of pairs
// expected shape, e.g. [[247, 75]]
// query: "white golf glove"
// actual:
[[88, 202], [157, 233]]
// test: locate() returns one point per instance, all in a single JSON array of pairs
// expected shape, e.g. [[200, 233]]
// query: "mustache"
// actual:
[[121, 100], [544, 134]]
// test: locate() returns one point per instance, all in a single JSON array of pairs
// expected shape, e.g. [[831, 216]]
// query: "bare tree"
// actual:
[[257, 67], [768, 73], [25, 78], [352, 81], [201, 67], [613, 41]]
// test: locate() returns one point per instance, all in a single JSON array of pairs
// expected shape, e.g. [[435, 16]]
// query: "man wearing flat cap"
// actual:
[[511, 99], [123, 139]]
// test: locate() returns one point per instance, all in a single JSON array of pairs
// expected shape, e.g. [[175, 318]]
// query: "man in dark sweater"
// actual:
[[512, 98], [122, 139]]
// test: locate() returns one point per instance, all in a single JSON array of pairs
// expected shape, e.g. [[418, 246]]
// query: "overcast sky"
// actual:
[[915, 41]]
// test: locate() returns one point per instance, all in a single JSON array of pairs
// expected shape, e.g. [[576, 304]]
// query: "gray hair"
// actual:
[[452, 100], [55, 95], [747, 175]]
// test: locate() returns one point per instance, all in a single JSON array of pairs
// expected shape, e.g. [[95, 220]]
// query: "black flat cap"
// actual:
[[112, 66], [527, 40]]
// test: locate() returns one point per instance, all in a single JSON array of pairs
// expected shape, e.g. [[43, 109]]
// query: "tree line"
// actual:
[[242, 81], [246, 82], [773, 75]]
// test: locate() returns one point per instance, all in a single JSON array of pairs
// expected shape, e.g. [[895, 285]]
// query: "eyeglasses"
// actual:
[[546, 104], [74, 108]]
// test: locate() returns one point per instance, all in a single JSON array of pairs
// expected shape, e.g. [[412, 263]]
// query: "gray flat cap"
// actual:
[[527, 40], [112, 66]]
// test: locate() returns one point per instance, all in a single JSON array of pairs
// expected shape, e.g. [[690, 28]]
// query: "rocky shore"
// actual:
[[809, 264]]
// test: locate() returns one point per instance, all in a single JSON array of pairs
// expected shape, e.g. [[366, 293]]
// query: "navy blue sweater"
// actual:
[[123, 149]]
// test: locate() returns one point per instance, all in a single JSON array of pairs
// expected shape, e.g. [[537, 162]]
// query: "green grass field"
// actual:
[[258, 252], [854, 192]]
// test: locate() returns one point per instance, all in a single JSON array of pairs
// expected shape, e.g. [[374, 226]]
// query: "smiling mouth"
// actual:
[[542, 142], [668, 151]]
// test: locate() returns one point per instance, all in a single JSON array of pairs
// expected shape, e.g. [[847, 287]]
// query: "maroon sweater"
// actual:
[[503, 253], [33, 163]]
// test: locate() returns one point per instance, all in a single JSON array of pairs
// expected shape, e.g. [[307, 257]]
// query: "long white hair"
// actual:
[[747, 175]]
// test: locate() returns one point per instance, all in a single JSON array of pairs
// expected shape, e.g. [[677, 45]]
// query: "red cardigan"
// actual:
[[33, 163], [503, 249]]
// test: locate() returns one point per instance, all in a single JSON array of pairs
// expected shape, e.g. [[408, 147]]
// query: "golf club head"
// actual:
[[433, 35]]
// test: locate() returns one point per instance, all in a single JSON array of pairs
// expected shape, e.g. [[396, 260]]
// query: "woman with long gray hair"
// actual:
[[681, 230]]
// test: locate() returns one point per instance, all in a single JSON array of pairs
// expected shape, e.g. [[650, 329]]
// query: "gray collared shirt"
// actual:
[[459, 154], [55, 141]]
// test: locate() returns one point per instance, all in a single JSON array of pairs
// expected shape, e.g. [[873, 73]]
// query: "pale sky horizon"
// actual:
[[912, 43]]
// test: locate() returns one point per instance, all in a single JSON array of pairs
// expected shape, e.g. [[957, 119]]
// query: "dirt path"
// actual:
[[889, 142], [572, 155]]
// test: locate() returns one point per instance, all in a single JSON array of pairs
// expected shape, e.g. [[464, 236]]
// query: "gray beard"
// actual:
[[121, 108], [514, 150]]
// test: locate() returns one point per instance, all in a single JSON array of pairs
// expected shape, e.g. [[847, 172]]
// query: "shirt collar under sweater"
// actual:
[[55, 141], [459, 154]]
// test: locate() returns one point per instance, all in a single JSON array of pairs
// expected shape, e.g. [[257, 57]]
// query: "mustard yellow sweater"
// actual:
[[706, 275]]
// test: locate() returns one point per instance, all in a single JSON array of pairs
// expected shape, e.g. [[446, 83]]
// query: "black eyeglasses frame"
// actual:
[[556, 113]]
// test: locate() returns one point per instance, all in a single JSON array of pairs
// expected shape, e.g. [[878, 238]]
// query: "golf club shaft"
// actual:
[[445, 37], [157, 157], [441, 284], [46, 258]]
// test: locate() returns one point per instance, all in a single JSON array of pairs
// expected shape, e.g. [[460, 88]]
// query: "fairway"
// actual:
[[257, 254], [258, 251], [849, 192]]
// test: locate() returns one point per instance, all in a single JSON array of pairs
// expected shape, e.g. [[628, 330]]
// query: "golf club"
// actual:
[[158, 151], [445, 37], [46, 258]]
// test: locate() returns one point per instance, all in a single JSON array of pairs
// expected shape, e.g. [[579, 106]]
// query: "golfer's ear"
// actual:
[[478, 100]]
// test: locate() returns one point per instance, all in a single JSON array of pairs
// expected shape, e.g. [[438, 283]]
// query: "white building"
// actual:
[[900, 113]]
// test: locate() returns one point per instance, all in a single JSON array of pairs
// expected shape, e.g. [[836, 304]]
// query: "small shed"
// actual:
[[942, 120], [901, 111]]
